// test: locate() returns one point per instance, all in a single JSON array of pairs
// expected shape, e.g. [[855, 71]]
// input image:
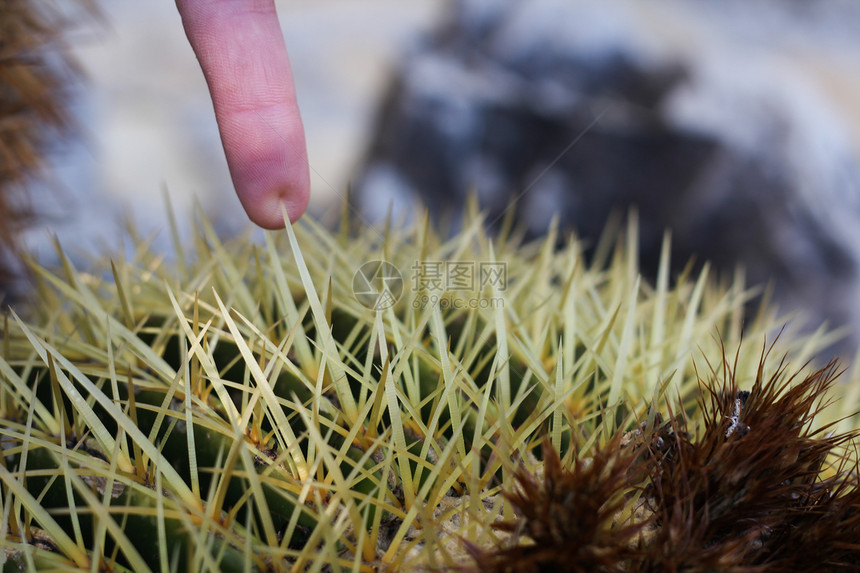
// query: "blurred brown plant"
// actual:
[[35, 70]]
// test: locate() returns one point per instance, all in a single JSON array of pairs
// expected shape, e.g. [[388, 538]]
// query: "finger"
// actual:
[[243, 56]]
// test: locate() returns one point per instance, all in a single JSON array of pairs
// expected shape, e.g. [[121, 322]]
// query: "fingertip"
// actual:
[[268, 211], [269, 166]]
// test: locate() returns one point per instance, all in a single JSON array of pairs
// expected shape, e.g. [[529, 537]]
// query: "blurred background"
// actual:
[[734, 122]]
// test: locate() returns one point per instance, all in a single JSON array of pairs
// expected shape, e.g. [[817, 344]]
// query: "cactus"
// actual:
[[236, 407]]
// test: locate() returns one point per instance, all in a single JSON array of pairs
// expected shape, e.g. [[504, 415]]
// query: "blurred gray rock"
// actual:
[[685, 110]]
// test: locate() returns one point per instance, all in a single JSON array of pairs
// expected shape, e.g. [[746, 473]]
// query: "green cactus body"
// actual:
[[239, 409]]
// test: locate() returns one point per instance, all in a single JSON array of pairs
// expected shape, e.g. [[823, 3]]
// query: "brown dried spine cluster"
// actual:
[[759, 489]]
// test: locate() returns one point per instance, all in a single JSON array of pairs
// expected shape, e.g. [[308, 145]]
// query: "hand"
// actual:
[[241, 49]]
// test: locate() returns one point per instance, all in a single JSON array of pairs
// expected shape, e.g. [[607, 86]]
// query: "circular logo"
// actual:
[[377, 285]]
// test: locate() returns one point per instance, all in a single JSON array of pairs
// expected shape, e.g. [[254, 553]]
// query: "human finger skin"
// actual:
[[242, 53]]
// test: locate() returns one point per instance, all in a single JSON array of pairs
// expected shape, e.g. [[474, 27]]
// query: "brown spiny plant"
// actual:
[[567, 518], [824, 531], [758, 465], [35, 70], [760, 488]]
